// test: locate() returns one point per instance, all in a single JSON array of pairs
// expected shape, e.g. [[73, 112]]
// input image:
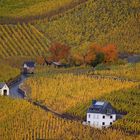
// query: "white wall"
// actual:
[[25, 66], [4, 88], [96, 119]]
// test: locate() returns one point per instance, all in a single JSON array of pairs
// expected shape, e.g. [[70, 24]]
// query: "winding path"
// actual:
[[97, 76], [14, 88], [15, 93], [63, 116]]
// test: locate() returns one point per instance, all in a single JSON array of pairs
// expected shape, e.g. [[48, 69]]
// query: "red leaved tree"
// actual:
[[110, 52], [59, 52], [40, 60]]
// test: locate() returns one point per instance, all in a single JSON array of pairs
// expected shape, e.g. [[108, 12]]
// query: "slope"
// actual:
[[21, 120], [103, 22], [13, 11], [22, 40]]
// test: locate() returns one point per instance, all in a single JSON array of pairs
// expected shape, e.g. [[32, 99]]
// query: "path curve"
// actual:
[[97, 76], [14, 92], [14, 88], [45, 108]]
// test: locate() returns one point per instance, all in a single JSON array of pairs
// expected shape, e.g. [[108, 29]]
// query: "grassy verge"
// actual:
[[7, 72]]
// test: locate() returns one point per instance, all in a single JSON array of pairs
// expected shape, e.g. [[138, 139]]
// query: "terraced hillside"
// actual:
[[75, 96], [102, 22], [127, 71], [13, 11], [21, 40], [7, 72], [14, 8], [21, 120], [77, 89]]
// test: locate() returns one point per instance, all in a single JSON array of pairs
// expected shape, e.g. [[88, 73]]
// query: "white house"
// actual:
[[101, 114], [4, 89], [28, 67]]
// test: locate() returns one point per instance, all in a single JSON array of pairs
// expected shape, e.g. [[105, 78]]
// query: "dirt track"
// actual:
[[63, 116], [48, 16]]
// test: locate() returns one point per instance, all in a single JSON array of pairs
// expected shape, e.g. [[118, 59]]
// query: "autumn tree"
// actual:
[[40, 60], [99, 59], [110, 52], [96, 48], [79, 55], [59, 52], [84, 54]]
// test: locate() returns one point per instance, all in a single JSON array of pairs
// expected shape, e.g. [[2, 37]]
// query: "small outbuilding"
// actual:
[[101, 114], [29, 67], [58, 65], [4, 89]]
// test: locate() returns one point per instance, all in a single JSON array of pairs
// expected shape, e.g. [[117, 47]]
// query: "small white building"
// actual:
[[4, 89], [29, 67], [100, 114]]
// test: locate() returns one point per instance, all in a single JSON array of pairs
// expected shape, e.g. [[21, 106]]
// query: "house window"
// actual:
[[103, 117], [110, 123], [89, 115], [103, 123], [111, 117]]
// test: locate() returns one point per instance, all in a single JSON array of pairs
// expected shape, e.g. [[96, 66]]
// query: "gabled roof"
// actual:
[[30, 63], [57, 63], [101, 107], [2, 85]]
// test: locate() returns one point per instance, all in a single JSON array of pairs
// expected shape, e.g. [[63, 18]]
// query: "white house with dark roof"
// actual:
[[4, 89], [101, 114], [28, 67]]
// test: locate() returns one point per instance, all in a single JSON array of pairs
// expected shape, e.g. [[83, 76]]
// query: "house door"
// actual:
[[5, 92]]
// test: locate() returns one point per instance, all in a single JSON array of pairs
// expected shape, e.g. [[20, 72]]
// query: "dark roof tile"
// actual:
[[101, 107], [2, 85], [30, 63]]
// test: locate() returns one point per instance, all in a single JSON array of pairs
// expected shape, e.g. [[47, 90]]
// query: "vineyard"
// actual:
[[7, 72], [28, 122], [13, 12], [86, 37], [128, 71], [127, 101], [19, 8], [22, 40], [77, 90], [75, 96], [102, 22]]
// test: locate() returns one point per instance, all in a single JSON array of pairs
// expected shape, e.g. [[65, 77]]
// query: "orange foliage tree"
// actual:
[[111, 53], [93, 50], [59, 52], [86, 54], [40, 60], [81, 55], [89, 53]]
